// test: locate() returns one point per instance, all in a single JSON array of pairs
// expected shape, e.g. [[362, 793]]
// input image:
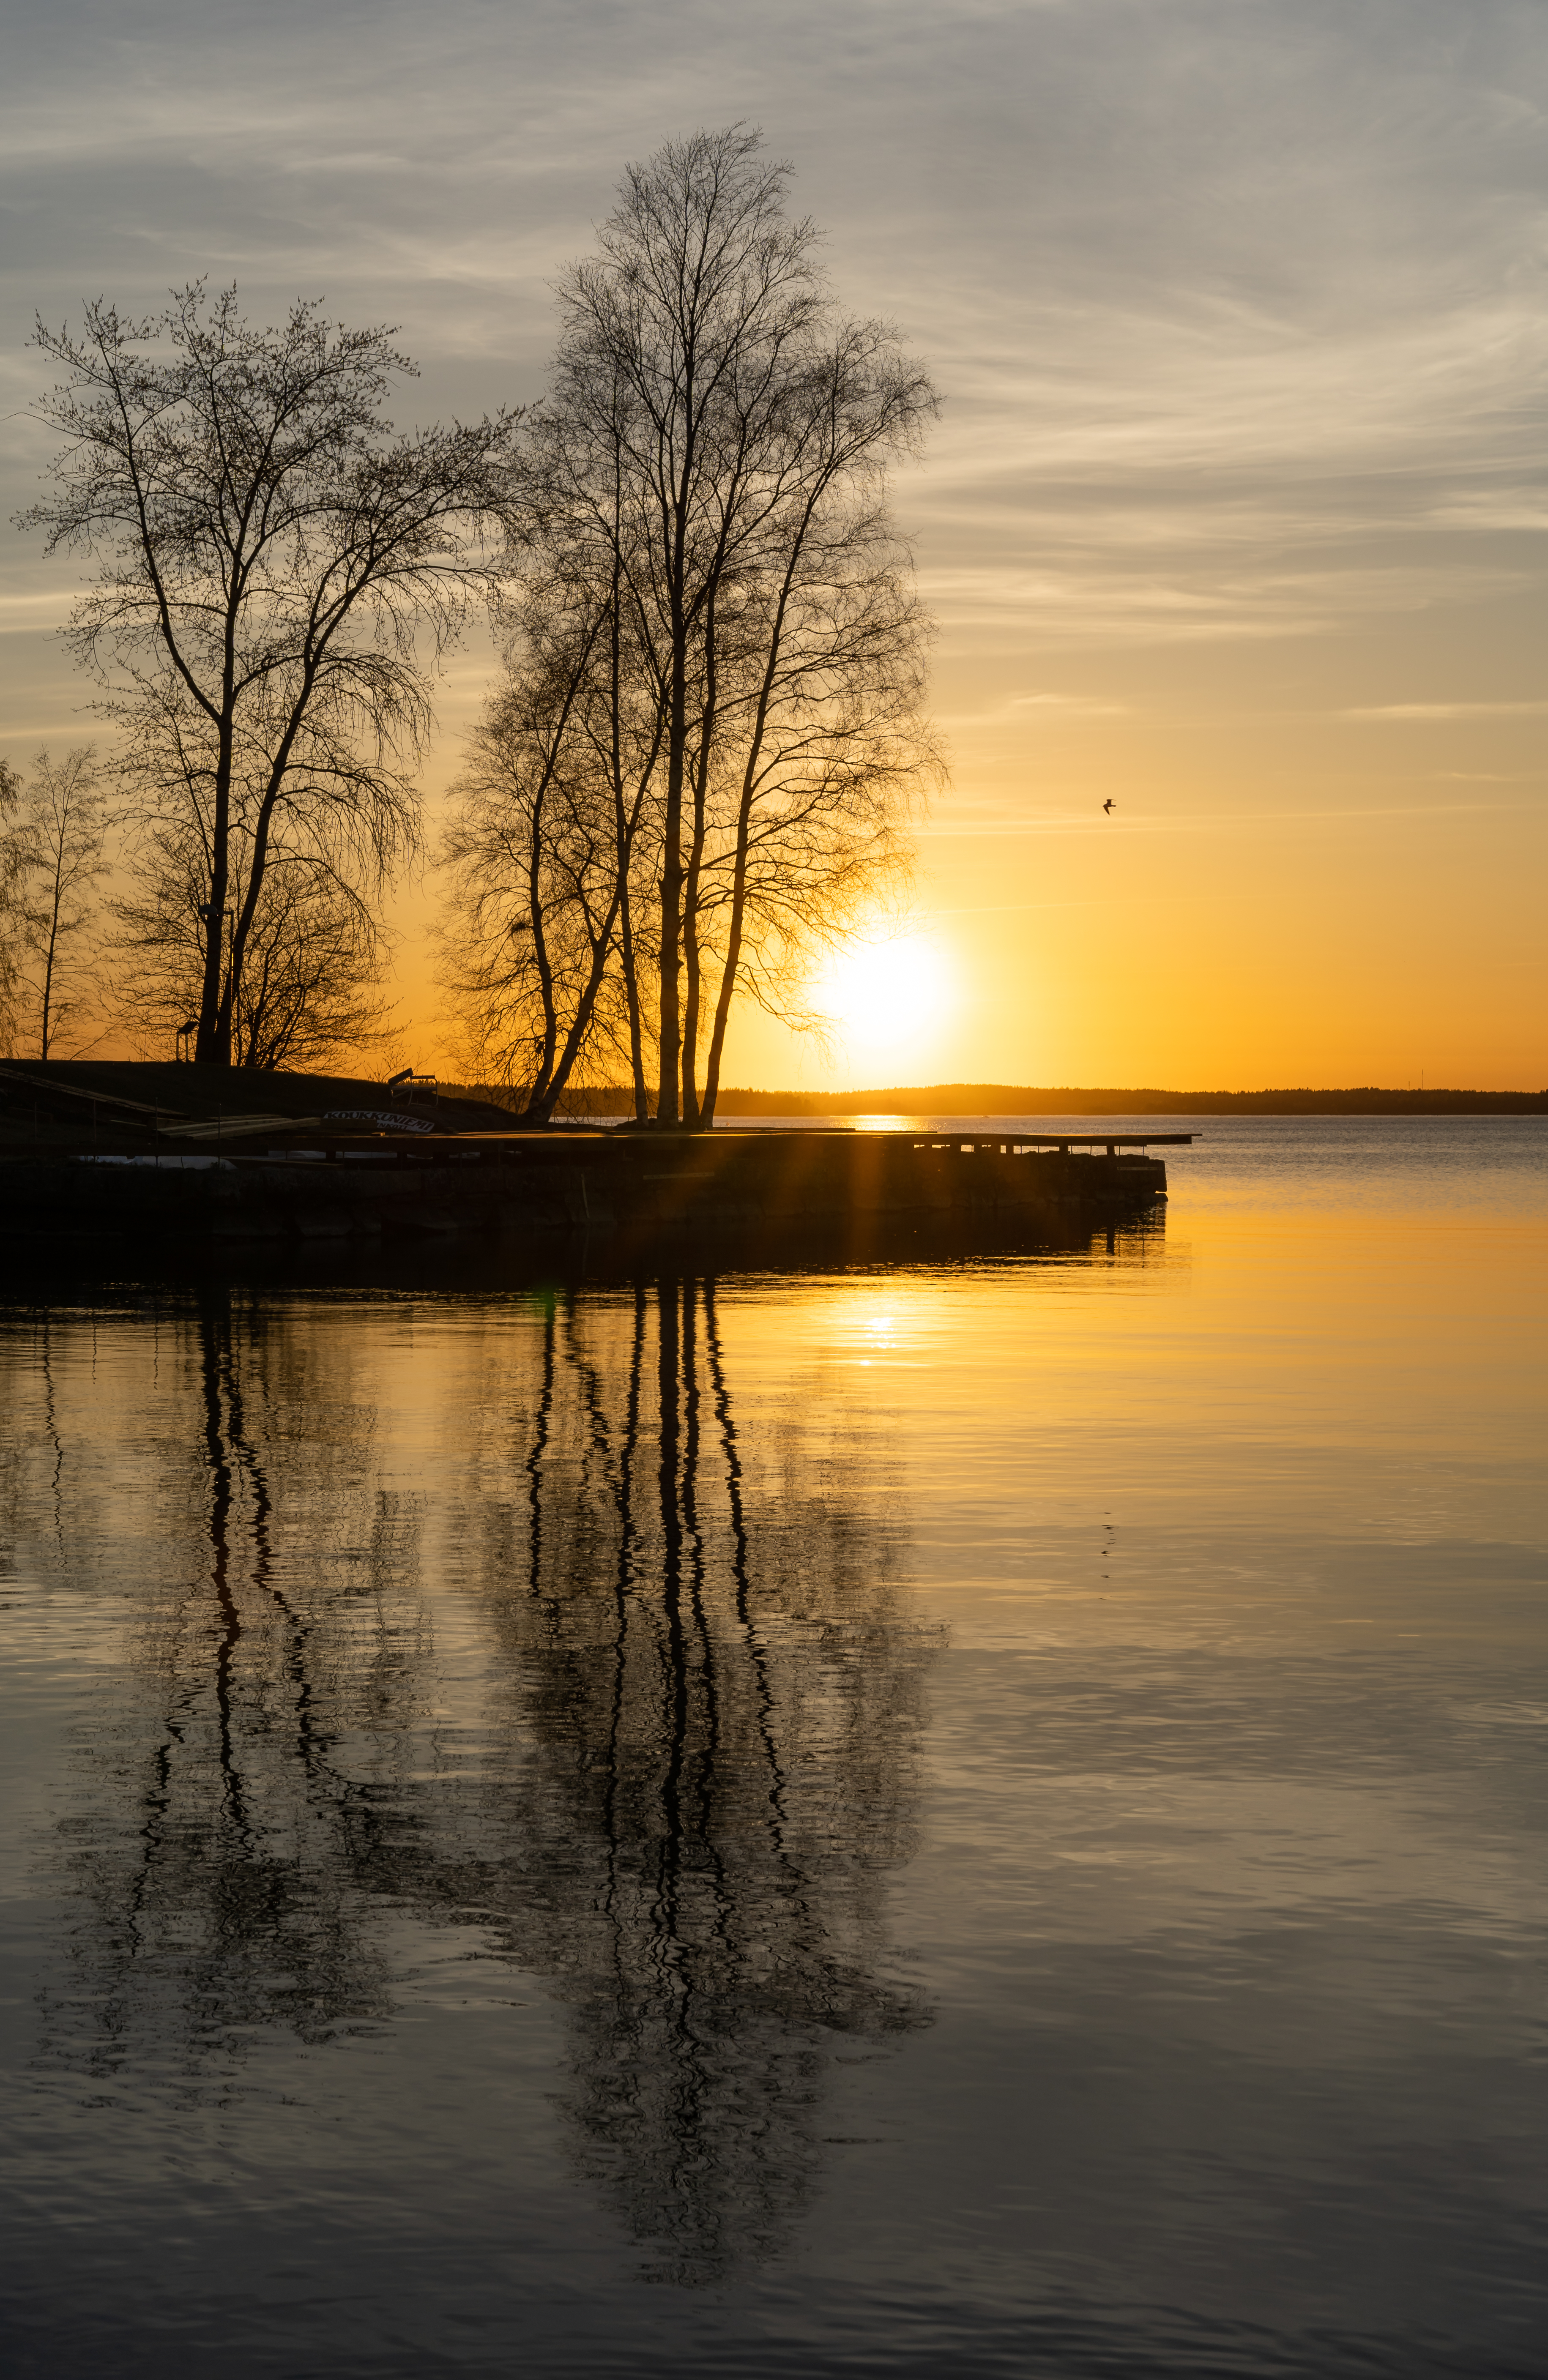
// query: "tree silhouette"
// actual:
[[275, 563], [711, 729]]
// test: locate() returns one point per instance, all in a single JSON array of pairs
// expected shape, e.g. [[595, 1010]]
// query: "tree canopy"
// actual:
[[711, 730], [277, 574], [696, 767]]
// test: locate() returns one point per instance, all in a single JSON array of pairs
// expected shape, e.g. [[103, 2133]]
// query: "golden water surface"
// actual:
[[982, 1817]]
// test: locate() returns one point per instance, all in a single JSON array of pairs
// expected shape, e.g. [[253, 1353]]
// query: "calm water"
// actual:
[[976, 1818]]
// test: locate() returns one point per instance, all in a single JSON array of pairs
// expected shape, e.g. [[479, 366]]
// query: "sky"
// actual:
[[1235, 516]]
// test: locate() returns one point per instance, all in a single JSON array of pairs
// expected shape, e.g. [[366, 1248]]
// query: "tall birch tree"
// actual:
[[709, 490]]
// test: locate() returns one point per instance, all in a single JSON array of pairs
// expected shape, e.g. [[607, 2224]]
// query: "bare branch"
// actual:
[[279, 576]]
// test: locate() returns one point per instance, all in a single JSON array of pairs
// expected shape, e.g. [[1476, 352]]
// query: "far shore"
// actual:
[[1018, 1099], [178, 1085]]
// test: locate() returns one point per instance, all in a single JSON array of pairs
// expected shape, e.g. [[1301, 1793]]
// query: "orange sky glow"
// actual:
[[1235, 516]]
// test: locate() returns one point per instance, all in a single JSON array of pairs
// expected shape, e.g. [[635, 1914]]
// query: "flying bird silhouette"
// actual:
[[1108, 803]]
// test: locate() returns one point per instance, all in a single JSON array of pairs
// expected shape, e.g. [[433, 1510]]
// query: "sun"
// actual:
[[885, 994]]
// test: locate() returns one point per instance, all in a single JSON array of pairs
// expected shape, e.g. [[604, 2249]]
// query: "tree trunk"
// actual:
[[213, 1042], [631, 995], [623, 835], [48, 957], [728, 973], [695, 865], [671, 890], [541, 1086]]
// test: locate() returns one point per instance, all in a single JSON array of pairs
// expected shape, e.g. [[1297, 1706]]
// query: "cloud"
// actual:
[[1019, 710], [1431, 710], [1237, 309], [37, 607]]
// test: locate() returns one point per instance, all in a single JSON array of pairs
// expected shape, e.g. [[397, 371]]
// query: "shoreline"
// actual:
[[1022, 1099]]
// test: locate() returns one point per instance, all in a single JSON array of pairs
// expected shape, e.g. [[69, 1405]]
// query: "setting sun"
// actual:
[[884, 995]]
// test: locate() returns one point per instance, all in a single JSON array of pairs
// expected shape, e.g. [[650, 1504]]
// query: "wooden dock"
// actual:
[[142, 1171]]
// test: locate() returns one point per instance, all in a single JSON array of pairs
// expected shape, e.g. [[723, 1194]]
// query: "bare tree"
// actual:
[[709, 490], [314, 956], [670, 370], [278, 574], [61, 844], [527, 944], [542, 951], [821, 734], [312, 988]]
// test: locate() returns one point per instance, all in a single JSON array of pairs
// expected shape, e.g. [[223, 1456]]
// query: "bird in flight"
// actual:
[[1108, 803]]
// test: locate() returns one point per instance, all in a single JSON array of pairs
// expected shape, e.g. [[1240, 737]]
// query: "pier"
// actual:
[[82, 1154]]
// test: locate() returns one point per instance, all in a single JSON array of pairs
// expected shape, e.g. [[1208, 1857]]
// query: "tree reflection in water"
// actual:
[[700, 1690]]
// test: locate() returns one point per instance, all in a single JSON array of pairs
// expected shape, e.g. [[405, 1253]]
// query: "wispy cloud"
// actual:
[[1237, 310], [39, 608], [1020, 709], [1401, 711]]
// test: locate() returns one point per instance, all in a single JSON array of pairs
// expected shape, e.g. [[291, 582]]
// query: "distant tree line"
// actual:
[[1067, 1100], [699, 763]]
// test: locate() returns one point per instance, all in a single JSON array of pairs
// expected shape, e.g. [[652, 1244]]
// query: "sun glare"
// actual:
[[886, 995]]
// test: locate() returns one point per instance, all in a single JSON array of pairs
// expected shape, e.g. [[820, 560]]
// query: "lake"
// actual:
[[979, 1817]]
